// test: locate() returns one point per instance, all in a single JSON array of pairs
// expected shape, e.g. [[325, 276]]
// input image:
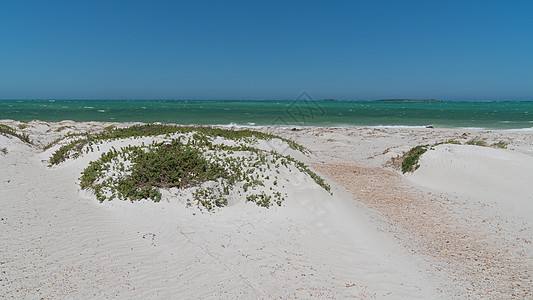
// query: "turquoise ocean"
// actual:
[[490, 115]]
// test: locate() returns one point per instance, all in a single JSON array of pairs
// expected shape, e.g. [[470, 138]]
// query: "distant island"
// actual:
[[396, 100], [411, 100]]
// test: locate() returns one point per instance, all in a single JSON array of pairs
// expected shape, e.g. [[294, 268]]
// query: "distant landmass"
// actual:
[[411, 100], [402, 100]]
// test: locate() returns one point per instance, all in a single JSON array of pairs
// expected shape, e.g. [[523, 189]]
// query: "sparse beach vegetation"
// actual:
[[61, 128], [453, 142], [74, 148], [8, 131], [483, 143], [410, 158], [477, 142], [410, 161], [186, 158], [500, 144]]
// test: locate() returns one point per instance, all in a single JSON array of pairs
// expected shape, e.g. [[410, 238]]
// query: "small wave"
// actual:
[[521, 129], [232, 124], [88, 107], [101, 110], [399, 126]]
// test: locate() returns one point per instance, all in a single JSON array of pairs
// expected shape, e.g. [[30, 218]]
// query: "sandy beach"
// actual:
[[460, 226]]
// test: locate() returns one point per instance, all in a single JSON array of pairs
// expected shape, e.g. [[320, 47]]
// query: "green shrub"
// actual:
[[410, 161], [477, 142], [453, 142], [500, 144], [138, 172]]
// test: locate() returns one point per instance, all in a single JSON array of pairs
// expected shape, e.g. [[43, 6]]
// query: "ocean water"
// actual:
[[490, 115]]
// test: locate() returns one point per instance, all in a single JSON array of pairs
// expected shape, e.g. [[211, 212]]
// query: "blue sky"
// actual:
[[452, 50]]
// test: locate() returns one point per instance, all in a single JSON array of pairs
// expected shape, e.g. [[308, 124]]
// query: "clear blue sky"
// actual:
[[452, 50]]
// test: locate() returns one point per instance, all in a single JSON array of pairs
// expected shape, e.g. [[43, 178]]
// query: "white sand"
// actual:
[[499, 178], [471, 226], [59, 242]]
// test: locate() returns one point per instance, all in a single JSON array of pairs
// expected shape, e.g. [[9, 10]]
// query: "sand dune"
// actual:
[[500, 178], [58, 241]]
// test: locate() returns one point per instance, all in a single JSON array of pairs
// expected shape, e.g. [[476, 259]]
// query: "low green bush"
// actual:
[[477, 142], [500, 144], [410, 161], [212, 170]]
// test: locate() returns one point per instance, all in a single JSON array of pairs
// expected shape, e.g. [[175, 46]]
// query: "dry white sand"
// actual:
[[442, 232], [458, 212], [499, 178]]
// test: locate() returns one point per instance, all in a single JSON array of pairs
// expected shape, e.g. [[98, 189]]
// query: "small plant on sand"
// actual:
[[61, 128], [477, 142], [500, 144], [58, 140], [410, 161], [3, 150], [453, 142], [8, 131]]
